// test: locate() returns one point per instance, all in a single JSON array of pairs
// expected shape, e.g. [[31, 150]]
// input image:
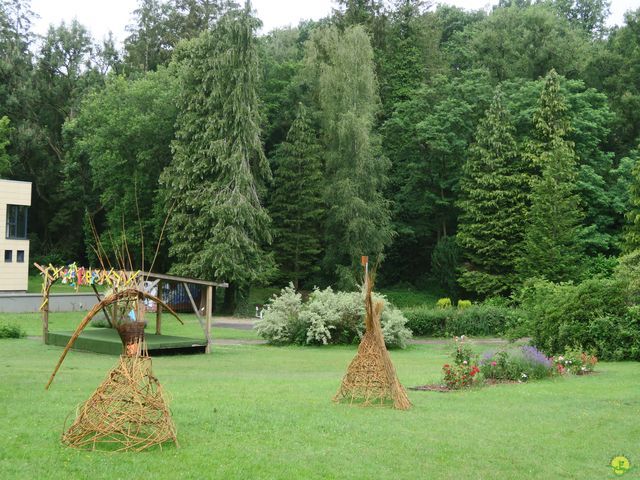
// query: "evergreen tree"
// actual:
[[493, 204], [296, 204], [552, 247], [632, 229], [218, 226], [5, 161], [340, 65]]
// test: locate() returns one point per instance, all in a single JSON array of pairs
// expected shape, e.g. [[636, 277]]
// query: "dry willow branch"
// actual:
[[371, 378], [127, 294], [126, 412]]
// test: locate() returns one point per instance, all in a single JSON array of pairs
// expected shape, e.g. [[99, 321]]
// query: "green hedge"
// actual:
[[594, 315], [473, 320]]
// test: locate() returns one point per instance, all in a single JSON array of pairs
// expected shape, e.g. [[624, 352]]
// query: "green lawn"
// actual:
[[31, 323], [252, 412]]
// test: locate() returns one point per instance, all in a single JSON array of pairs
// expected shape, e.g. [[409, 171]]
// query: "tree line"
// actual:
[[470, 148]]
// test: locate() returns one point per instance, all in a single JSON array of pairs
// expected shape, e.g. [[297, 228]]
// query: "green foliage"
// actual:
[[504, 44], [340, 69], [428, 321], [632, 229], [121, 140], [11, 330], [483, 320], [444, 264], [494, 194], [218, 227], [552, 247], [327, 317], [296, 203], [462, 304], [521, 365], [443, 303], [594, 314], [5, 160], [576, 361], [427, 140]]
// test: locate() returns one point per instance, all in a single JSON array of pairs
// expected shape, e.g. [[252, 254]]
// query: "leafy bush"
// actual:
[[522, 364], [280, 322], [443, 303], [11, 331], [327, 317], [460, 376], [428, 321], [100, 321], [462, 304], [575, 361], [481, 320], [463, 372], [475, 320], [594, 314]]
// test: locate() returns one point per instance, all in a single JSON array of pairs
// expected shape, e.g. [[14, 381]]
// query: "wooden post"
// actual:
[[45, 312], [208, 310], [159, 311]]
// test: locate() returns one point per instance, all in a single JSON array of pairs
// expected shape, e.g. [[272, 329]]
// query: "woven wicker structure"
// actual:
[[371, 378], [128, 411]]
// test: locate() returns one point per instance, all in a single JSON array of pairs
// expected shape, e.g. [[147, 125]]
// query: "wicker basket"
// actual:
[[132, 335]]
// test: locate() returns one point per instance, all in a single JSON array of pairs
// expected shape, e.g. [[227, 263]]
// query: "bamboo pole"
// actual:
[[208, 310], [159, 311]]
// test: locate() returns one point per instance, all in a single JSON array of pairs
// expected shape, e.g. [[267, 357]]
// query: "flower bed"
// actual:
[[514, 365]]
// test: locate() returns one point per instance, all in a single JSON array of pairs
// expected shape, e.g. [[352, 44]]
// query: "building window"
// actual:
[[20, 256], [8, 256], [17, 221]]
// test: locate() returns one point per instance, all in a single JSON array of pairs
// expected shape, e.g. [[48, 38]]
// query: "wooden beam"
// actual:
[[45, 311], [106, 314], [208, 308], [159, 311], [197, 312], [174, 278]]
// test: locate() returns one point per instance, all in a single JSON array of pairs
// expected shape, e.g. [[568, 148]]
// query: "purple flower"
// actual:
[[535, 356], [487, 357]]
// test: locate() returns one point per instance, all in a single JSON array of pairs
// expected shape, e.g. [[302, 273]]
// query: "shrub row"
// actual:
[[593, 315], [11, 331], [473, 320], [327, 317]]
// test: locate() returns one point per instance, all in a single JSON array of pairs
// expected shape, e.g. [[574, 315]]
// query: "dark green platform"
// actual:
[[107, 340]]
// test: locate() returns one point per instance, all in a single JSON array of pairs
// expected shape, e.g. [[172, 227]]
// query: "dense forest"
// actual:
[[471, 149]]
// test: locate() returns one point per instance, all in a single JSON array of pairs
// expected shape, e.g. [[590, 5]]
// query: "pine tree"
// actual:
[[552, 247], [296, 206], [493, 203], [218, 226], [340, 64], [632, 228]]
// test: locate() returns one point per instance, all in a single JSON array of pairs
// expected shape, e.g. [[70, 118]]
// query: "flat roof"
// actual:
[[174, 278], [14, 181]]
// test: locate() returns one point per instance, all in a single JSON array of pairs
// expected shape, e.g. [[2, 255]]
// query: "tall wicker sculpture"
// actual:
[[128, 410], [371, 378]]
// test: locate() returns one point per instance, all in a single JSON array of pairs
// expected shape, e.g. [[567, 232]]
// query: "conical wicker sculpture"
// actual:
[[128, 410], [371, 378]]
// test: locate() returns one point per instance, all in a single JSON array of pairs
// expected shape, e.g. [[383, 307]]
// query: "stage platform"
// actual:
[[107, 340]]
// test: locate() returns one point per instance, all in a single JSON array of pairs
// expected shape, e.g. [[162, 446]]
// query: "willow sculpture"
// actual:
[[371, 378], [128, 411]]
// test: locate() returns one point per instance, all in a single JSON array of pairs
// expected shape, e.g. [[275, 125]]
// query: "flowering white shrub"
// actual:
[[327, 317], [278, 323]]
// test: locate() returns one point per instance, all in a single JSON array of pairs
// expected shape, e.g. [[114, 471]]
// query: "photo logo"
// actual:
[[620, 464]]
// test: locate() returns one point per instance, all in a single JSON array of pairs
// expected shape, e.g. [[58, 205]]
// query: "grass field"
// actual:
[[31, 323], [256, 411]]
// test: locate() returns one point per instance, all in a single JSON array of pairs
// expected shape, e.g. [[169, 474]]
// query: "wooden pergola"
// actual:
[[207, 308], [203, 312]]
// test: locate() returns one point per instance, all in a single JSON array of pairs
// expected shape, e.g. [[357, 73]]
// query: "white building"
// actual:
[[15, 199]]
